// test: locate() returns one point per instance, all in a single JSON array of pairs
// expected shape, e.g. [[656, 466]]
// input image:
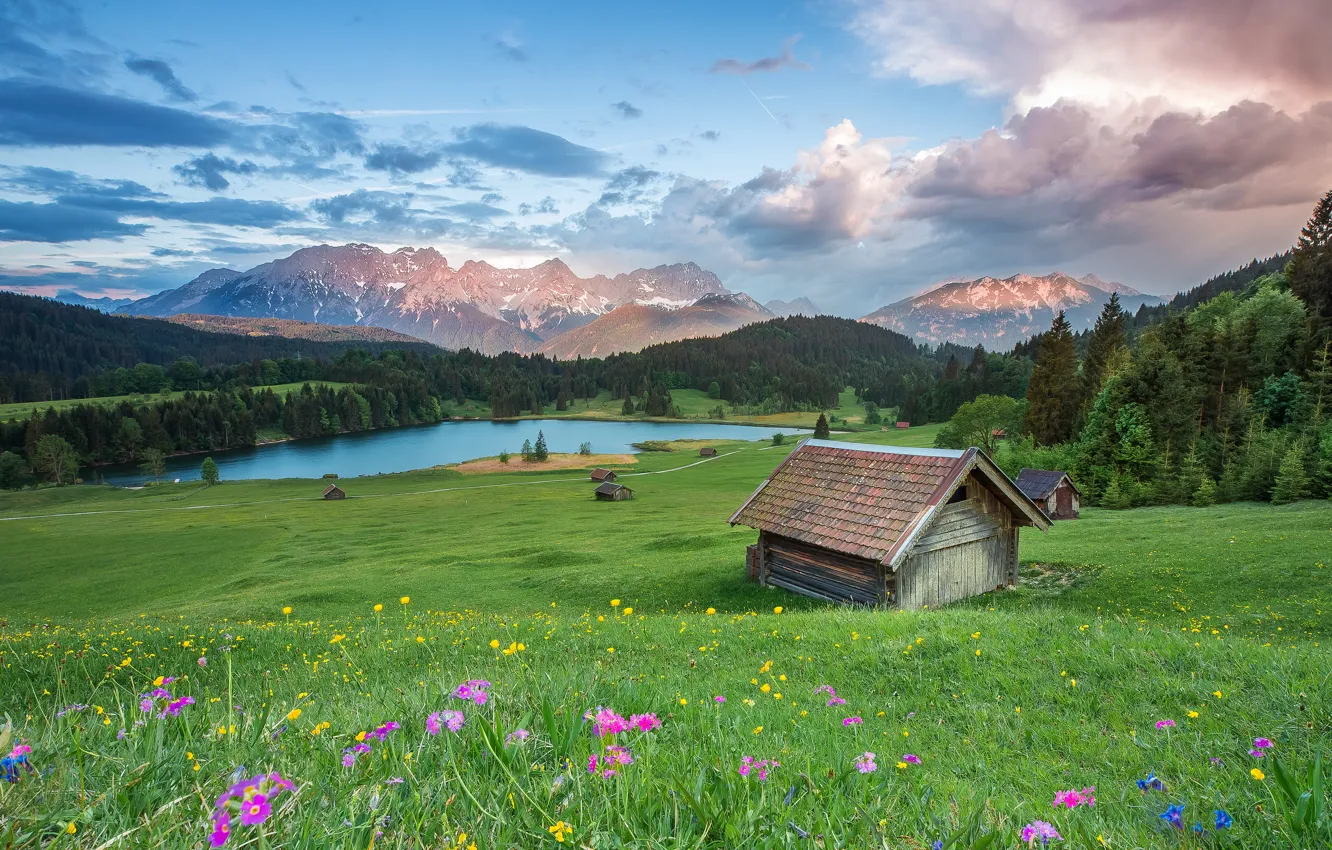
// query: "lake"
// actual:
[[423, 446]]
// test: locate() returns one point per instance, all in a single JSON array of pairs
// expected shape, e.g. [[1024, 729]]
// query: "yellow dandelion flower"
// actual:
[[378, 607], [494, 643], [286, 609], [615, 603], [628, 611], [1258, 774], [711, 611], [406, 600], [777, 610], [293, 714]]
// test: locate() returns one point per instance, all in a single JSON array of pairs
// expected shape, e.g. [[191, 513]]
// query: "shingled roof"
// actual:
[[1040, 483], [870, 501]]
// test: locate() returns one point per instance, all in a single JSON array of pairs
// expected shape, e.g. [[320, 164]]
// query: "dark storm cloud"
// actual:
[[527, 149], [369, 213], [209, 171], [38, 114], [161, 73], [55, 222]]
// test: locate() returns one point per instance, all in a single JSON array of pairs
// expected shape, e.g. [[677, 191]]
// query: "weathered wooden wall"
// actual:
[[969, 548], [820, 573]]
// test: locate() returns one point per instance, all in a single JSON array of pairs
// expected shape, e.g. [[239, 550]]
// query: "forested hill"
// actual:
[[1235, 280], [47, 343]]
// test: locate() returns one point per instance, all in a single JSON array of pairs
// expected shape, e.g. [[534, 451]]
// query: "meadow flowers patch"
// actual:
[[251, 801], [1040, 831]]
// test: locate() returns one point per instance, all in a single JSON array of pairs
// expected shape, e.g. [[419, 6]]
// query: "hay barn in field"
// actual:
[[610, 492], [600, 474], [707, 451], [333, 491], [1053, 491], [885, 525]]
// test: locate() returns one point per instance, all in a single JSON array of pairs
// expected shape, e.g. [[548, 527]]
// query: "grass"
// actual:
[[1123, 619], [22, 410]]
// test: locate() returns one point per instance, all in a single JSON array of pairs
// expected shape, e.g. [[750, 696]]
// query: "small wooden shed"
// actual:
[[904, 425], [333, 491], [707, 451], [885, 525], [600, 474], [1052, 490], [610, 492]]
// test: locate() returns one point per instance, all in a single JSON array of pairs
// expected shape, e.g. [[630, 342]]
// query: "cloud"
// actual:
[[38, 114], [628, 185], [382, 213], [710, 135], [171, 252], [400, 159], [234, 212], [208, 171], [766, 64], [476, 211], [53, 222], [527, 149], [627, 109], [160, 72], [546, 207], [510, 47]]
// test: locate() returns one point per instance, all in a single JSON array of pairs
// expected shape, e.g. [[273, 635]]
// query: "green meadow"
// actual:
[[1215, 620], [24, 409]]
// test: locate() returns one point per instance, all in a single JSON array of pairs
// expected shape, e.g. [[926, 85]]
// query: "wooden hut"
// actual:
[[707, 451], [1052, 490], [610, 492], [600, 474], [884, 525], [903, 425], [333, 491]]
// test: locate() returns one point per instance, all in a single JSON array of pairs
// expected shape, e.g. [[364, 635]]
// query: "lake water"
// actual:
[[422, 446]]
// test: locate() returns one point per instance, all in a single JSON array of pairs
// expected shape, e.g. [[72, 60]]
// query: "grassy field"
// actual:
[[22, 410], [1211, 619]]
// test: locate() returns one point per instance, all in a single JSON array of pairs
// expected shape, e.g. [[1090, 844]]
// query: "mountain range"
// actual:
[[998, 313], [477, 305]]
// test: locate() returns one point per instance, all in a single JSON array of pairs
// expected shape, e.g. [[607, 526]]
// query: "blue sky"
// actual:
[[854, 151]]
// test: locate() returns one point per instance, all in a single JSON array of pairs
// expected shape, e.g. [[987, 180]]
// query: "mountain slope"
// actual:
[[633, 327], [291, 329], [417, 292], [999, 313], [105, 304], [801, 306]]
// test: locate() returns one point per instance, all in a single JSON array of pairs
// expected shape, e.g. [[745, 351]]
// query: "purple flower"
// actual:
[[453, 720], [1151, 783], [174, 707], [852, 721], [608, 763], [393, 780], [1165, 724], [1073, 798], [221, 828], [473, 690], [382, 732], [750, 767], [348, 759], [1039, 829], [1256, 753], [719, 699], [251, 799], [911, 759], [1223, 820], [255, 810], [836, 701], [1174, 815], [866, 763], [432, 723], [645, 722], [517, 736], [1261, 743], [606, 722], [203, 662], [145, 705]]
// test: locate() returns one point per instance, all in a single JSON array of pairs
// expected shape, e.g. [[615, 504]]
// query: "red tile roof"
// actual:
[[852, 499]]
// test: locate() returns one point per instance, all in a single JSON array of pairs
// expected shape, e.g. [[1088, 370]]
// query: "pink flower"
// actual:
[[517, 736], [866, 763], [852, 721], [607, 764], [221, 829], [1165, 724], [606, 722], [835, 701], [255, 810], [203, 662], [1261, 743], [911, 759], [474, 690], [432, 723], [757, 769], [645, 722], [1040, 830], [1073, 798], [719, 699]]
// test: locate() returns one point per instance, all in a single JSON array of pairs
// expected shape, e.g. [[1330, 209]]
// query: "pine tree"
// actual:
[[1292, 481], [628, 408], [821, 431], [1311, 267], [1106, 338], [1053, 394], [539, 451], [526, 451], [1191, 476], [1205, 495], [1116, 496], [209, 473]]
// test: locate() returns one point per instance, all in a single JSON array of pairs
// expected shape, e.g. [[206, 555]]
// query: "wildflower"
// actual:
[[378, 608], [473, 690], [494, 643], [1261, 744], [607, 722], [607, 763], [628, 611], [1174, 815], [645, 722], [251, 799], [911, 759], [852, 721], [750, 767], [1193, 715], [452, 720], [406, 600], [901, 765], [777, 610], [286, 609], [70, 828], [1073, 798], [293, 714], [865, 764], [615, 603], [203, 662], [559, 830], [517, 736], [1151, 783], [1039, 829], [174, 707], [1165, 724], [1223, 820], [711, 611], [382, 732], [1257, 774], [337, 639], [719, 699]]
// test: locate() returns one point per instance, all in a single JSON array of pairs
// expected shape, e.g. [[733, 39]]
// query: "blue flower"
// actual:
[[1199, 828], [938, 844], [1151, 783], [1174, 815], [1223, 820]]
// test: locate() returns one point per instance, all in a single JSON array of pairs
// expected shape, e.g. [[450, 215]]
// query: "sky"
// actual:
[[851, 151]]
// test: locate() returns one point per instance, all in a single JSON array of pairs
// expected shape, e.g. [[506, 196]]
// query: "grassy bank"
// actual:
[[1213, 619]]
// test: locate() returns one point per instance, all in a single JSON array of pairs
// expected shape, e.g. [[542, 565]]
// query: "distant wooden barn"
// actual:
[[903, 425], [707, 451], [333, 491], [610, 492], [884, 525], [998, 434], [1052, 490], [600, 474]]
